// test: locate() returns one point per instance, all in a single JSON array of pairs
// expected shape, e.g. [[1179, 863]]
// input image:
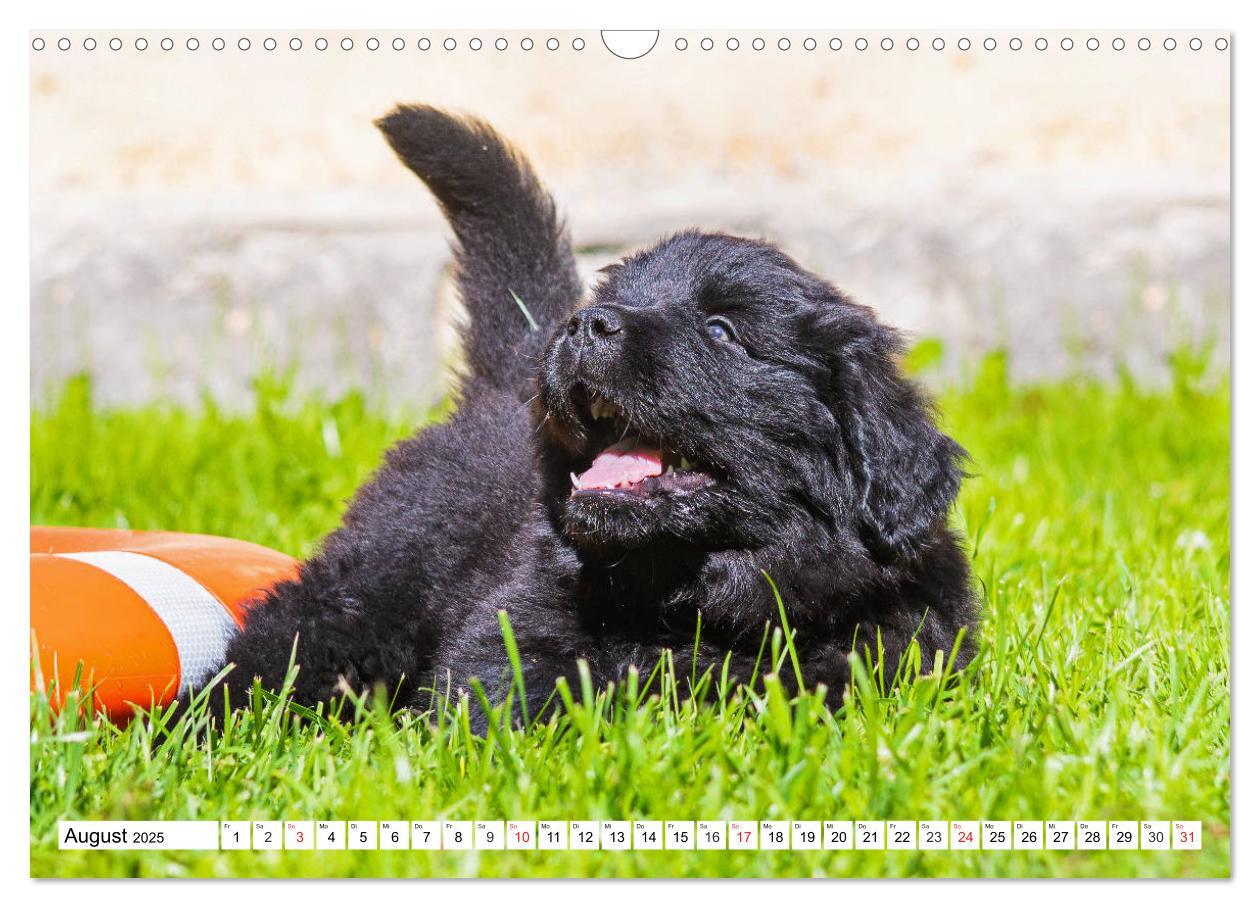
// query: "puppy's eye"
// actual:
[[719, 329]]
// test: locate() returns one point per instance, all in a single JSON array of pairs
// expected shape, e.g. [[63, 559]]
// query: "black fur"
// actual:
[[817, 463]]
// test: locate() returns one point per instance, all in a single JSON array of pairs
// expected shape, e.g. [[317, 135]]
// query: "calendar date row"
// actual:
[[712, 835]]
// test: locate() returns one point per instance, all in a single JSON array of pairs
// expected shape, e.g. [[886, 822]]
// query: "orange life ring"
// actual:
[[146, 614]]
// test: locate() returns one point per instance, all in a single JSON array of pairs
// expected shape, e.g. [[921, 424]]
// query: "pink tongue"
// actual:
[[624, 464]]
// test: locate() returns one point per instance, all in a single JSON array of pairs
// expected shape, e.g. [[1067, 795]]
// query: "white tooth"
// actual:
[[573, 477], [669, 469]]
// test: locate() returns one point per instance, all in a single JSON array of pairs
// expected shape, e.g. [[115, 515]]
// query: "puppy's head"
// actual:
[[715, 393]]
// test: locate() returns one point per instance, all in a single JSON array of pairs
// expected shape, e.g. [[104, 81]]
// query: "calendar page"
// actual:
[[669, 453]]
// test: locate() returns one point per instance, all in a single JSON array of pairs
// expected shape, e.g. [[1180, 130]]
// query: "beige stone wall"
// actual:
[[198, 213]]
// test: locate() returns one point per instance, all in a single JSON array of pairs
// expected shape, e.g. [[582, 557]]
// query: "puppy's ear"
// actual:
[[907, 471]]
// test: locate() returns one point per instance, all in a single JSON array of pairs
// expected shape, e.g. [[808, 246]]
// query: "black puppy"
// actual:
[[628, 467]]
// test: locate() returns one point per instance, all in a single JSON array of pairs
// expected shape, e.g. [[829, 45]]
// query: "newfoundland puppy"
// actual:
[[625, 471]]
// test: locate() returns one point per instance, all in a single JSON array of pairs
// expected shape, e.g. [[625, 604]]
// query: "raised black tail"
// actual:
[[513, 262]]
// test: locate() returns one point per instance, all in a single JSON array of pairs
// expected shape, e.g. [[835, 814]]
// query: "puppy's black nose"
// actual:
[[594, 323]]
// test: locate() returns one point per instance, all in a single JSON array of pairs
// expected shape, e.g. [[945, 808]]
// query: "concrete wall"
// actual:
[[199, 214]]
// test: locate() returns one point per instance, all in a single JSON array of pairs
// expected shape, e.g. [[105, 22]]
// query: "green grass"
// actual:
[[1099, 520]]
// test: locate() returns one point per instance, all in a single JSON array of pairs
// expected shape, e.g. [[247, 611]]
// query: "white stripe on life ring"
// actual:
[[199, 623]]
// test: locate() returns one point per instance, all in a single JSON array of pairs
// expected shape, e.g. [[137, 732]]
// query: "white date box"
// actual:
[[711, 835]]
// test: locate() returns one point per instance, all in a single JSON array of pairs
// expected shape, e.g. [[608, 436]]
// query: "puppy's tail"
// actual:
[[513, 262]]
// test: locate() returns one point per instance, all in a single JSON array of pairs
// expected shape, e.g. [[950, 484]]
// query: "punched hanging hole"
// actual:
[[629, 44]]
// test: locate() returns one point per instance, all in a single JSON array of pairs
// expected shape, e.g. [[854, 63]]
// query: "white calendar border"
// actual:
[[647, 13]]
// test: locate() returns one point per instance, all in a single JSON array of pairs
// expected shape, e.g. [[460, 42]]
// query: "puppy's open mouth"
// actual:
[[631, 462]]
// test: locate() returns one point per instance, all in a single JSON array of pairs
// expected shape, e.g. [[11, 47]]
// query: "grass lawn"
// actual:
[[1099, 519]]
